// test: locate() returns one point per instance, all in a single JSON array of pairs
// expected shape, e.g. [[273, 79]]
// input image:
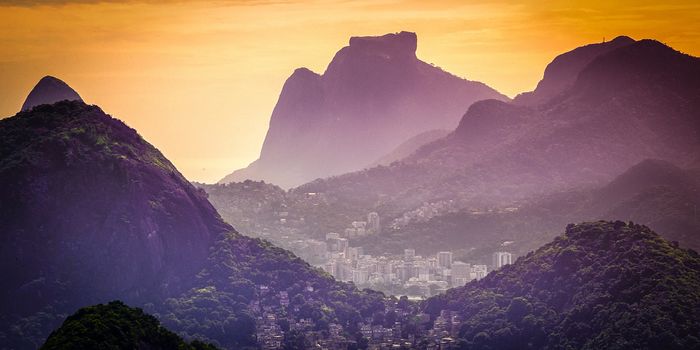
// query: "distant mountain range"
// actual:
[[617, 104], [637, 101], [374, 95]]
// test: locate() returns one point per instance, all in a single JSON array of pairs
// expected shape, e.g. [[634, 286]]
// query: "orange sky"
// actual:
[[199, 79]]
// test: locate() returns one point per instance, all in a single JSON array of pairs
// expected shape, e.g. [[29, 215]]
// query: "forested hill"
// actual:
[[96, 213], [600, 285], [116, 326]]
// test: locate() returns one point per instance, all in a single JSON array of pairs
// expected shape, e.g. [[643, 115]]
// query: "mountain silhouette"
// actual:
[[635, 102], [561, 74], [374, 95], [93, 213], [49, 90]]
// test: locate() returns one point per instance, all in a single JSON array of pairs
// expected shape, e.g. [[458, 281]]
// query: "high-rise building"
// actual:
[[359, 224], [360, 276], [332, 239], [406, 271], [373, 223], [332, 235], [461, 270], [344, 271], [354, 253], [501, 258], [479, 271], [444, 259], [409, 254], [342, 245]]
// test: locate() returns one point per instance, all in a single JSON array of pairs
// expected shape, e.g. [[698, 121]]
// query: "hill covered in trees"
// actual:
[[96, 213], [116, 326], [600, 285]]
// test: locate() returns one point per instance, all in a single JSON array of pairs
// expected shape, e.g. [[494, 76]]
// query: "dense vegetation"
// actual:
[[116, 326], [218, 309], [602, 285]]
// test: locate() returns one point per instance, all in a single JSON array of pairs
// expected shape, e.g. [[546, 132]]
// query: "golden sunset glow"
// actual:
[[199, 79]]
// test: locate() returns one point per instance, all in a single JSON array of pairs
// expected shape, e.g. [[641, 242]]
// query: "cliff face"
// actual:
[[374, 95]]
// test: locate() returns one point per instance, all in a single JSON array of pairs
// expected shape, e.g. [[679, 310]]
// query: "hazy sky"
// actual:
[[199, 79]]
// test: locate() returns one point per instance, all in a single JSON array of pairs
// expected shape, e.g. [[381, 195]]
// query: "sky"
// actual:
[[199, 79]]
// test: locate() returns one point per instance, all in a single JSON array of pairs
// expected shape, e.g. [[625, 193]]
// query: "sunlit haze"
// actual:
[[199, 79]]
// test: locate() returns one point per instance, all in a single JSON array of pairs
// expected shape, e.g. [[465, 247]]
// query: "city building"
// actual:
[[444, 259], [342, 245], [501, 258], [461, 273], [373, 223], [409, 254], [479, 271]]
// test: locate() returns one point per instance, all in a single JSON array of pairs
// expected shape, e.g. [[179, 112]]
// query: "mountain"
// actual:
[[600, 285], [116, 326], [562, 73], [49, 90], [91, 212], [409, 146], [632, 103], [375, 90]]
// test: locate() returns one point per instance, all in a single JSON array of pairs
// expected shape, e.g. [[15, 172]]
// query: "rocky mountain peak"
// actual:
[[49, 90]]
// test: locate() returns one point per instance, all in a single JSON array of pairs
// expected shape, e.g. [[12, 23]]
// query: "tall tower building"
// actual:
[[444, 259], [409, 254], [501, 258], [373, 223]]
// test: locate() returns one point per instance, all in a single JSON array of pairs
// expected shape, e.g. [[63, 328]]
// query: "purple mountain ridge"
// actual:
[[562, 72], [49, 90], [374, 95], [634, 102]]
